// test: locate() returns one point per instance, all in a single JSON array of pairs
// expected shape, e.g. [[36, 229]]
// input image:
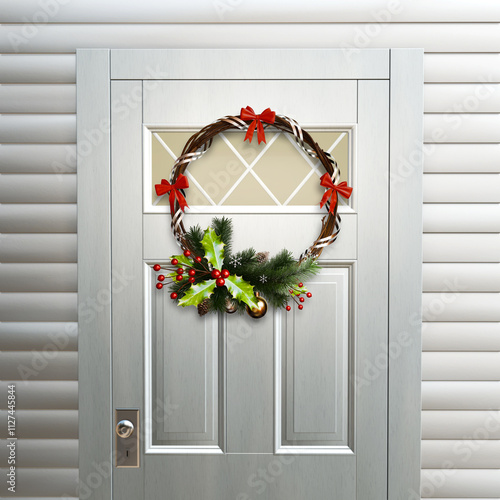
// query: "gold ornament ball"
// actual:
[[231, 306], [260, 310]]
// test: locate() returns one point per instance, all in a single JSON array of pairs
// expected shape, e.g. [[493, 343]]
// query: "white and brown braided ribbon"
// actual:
[[285, 124]]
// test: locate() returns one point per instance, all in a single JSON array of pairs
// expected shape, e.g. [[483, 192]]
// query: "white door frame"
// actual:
[[95, 70]]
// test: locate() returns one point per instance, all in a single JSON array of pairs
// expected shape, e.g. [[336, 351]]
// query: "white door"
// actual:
[[290, 406]]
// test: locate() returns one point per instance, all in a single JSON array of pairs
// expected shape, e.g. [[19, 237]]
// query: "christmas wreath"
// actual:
[[207, 274]]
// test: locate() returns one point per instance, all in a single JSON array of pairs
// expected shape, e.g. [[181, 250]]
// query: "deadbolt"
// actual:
[[124, 428]]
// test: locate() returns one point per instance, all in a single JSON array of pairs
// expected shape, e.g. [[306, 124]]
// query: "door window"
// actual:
[[235, 173]]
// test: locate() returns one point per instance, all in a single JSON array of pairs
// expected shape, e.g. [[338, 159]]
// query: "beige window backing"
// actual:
[[234, 172]]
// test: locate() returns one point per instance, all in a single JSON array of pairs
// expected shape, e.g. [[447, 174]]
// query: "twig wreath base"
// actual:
[[216, 280]]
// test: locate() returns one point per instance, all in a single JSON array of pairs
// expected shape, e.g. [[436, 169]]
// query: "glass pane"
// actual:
[[234, 172]]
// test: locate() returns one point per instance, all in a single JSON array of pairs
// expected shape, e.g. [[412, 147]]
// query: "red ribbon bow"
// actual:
[[165, 187], [266, 116], [332, 191]]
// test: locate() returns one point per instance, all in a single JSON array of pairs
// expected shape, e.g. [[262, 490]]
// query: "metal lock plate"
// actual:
[[127, 438]]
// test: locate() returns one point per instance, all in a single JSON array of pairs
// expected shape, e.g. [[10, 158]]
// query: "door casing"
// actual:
[[96, 68]]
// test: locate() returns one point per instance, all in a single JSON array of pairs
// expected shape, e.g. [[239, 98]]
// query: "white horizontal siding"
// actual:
[[38, 248], [463, 158], [461, 247], [466, 128], [37, 68], [449, 305], [451, 483], [38, 306], [461, 218], [35, 218], [52, 128], [38, 277], [49, 424], [462, 98], [458, 425], [47, 364], [46, 335], [38, 188], [462, 68], [467, 454], [461, 366], [61, 453], [37, 98], [43, 395], [461, 395], [456, 188], [461, 334], [455, 336], [433, 37], [258, 11], [461, 277], [37, 158], [44, 482]]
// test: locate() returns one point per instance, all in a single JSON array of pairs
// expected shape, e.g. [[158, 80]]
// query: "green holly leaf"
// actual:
[[197, 293], [241, 290], [214, 248], [298, 290]]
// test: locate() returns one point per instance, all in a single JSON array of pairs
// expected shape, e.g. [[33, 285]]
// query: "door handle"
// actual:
[[127, 437], [124, 428]]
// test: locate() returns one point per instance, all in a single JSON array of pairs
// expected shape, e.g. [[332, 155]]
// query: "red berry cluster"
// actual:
[[220, 276], [300, 299], [192, 272]]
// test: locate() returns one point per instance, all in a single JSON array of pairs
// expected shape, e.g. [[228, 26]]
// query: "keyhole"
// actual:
[[127, 453]]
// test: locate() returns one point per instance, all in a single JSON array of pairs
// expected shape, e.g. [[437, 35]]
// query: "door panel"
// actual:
[[314, 365], [253, 476], [308, 102], [274, 236], [237, 408], [185, 376], [249, 386]]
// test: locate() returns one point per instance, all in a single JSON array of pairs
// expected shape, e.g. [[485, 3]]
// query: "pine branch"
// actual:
[[194, 235], [273, 279], [246, 259], [218, 299], [223, 227]]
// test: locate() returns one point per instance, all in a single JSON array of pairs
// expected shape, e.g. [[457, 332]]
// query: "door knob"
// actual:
[[124, 428], [127, 446]]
